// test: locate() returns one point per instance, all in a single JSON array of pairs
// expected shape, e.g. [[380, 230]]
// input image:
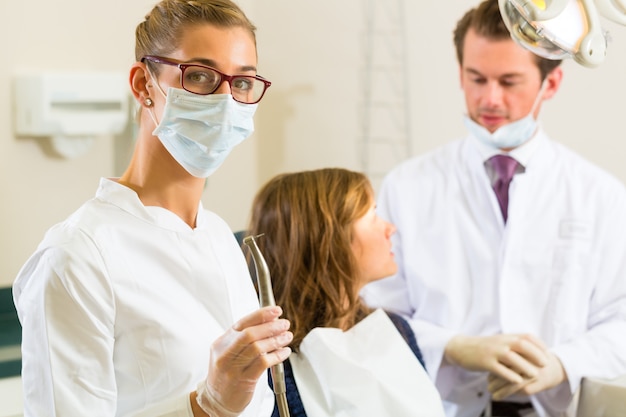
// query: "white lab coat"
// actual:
[[120, 305], [556, 270]]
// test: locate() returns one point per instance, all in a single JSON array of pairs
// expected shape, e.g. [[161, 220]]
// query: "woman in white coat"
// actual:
[[140, 303]]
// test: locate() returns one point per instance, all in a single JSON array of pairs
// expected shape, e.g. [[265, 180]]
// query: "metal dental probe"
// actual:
[[266, 298]]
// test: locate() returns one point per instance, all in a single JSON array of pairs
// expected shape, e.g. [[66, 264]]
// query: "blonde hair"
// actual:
[[160, 32]]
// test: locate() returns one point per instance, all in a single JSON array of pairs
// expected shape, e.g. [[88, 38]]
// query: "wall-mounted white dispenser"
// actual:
[[71, 108]]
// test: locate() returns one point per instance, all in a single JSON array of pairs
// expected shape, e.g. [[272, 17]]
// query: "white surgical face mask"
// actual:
[[201, 131], [510, 135]]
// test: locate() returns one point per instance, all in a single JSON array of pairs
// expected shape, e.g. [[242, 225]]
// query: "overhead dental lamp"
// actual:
[[560, 29]]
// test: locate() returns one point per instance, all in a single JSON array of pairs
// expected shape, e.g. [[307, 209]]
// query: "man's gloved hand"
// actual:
[[550, 375], [239, 358], [512, 357]]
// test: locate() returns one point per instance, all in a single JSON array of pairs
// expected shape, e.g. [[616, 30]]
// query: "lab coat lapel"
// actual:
[[483, 231], [479, 199]]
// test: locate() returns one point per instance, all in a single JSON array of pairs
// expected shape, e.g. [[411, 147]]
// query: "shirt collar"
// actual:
[[522, 153]]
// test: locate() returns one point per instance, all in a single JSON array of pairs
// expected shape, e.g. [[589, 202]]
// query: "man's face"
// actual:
[[500, 80]]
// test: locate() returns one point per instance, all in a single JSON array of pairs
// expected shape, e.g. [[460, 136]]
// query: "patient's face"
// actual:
[[372, 246]]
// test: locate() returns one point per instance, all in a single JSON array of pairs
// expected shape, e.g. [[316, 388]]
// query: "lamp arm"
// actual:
[[592, 49], [614, 10]]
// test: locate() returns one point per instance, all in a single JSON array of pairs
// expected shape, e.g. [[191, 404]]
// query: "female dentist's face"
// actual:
[[230, 50], [371, 246]]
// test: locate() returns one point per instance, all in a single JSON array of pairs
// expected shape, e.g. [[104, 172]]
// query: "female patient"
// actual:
[[323, 242]]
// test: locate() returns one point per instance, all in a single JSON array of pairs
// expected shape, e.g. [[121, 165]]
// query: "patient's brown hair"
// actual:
[[307, 218]]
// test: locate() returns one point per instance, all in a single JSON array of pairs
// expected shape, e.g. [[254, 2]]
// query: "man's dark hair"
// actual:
[[487, 21]]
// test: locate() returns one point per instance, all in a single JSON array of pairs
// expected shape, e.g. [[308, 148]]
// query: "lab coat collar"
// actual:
[[111, 191]]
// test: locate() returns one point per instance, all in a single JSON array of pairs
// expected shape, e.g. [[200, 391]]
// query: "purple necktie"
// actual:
[[504, 167]]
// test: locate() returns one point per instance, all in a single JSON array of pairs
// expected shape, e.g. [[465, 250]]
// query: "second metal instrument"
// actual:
[[266, 298]]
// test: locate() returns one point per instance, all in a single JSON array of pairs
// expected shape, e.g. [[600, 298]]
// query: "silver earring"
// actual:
[[148, 102]]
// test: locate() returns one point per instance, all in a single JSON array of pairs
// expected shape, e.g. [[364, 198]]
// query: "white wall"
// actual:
[[312, 51], [37, 189]]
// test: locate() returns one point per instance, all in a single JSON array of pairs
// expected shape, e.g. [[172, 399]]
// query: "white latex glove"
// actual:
[[512, 357], [239, 358], [550, 375]]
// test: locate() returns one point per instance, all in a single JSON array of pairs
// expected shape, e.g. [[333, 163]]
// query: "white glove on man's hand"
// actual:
[[239, 358], [512, 357], [550, 375]]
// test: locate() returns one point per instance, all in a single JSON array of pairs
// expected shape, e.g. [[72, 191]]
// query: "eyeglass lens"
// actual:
[[203, 80]]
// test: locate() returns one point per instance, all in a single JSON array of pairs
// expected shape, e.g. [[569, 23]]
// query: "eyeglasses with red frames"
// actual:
[[203, 80]]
